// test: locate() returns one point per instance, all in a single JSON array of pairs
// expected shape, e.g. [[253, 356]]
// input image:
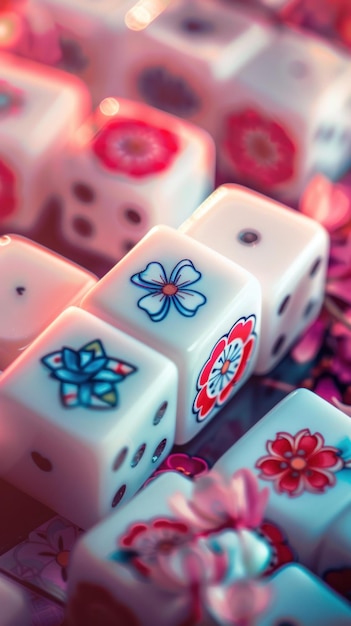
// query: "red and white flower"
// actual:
[[135, 148], [300, 463], [149, 540], [8, 199], [259, 148], [225, 367]]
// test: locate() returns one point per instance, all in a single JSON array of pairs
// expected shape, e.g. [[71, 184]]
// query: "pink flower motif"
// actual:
[[135, 148], [206, 562], [47, 551], [326, 202], [240, 603], [259, 148], [300, 463], [149, 540], [8, 197], [225, 367], [218, 502]]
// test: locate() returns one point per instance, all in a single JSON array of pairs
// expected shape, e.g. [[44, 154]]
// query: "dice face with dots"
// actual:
[[129, 168], [285, 251], [193, 305], [300, 450], [40, 108], [15, 608], [88, 414], [36, 286], [273, 141]]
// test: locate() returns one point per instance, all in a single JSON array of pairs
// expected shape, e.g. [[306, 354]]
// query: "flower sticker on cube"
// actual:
[[259, 148], [301, 462], [225, 366], [88, 377], [135, 148], [166, 292]]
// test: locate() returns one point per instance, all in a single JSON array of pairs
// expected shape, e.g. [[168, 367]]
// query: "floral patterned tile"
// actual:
[[42, 559]]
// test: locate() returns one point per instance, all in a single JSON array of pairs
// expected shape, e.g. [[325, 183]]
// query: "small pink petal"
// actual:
[[240, 603], [250, 501], [310, 343], [327, 389], [327, 203], [340, 289]]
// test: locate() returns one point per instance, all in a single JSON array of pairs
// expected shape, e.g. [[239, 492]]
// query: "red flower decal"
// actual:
[[282, 552], [185, 464], [225, 367], [300, 463], [259, 148], [8, 202], [135, 148], [92, 605], [148, 540]]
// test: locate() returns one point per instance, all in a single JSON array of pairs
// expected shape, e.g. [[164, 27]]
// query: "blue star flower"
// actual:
[[88, 377], [164, 291]]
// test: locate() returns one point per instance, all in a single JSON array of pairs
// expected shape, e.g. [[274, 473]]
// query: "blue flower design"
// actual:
[[165, 291], [168, 92], [88, 376]]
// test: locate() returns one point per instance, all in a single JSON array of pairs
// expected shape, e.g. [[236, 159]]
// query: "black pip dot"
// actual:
[[41, 462]]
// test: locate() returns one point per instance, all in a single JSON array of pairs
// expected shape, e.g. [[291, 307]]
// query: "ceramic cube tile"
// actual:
[[193, 305], [272, 140], [287, 252], [15, 608], [36, 286], [88, 413], [40, 108], [298, 450], [120, 560], [129, 168], [188, 57]]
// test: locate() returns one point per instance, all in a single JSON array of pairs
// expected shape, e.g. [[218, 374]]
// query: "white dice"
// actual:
[[146, 565], [128, 168], [87, 414], [298, 450], [287, 252], [40, 108], [194, 306], [36, 285], [273, 140]]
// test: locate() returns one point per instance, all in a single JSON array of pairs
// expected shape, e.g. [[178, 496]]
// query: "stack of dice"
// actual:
[[101, 377]]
